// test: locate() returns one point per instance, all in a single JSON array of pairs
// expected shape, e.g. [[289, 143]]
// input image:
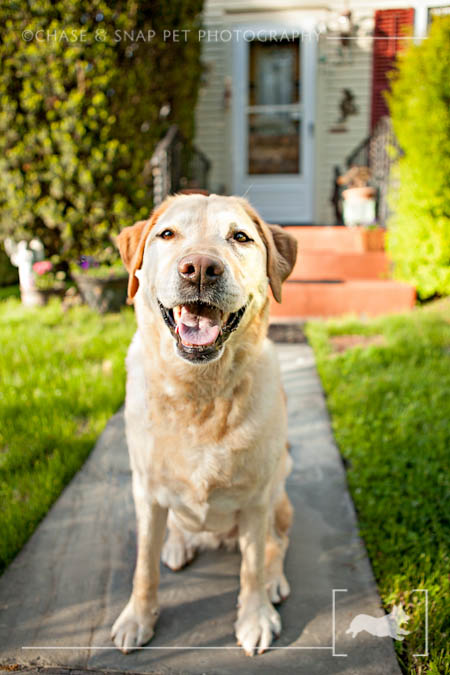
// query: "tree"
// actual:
[[81, 89], [419, 102]]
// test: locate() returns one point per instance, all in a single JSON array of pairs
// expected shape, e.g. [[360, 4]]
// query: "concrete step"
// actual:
[[315, 265], [369, 298], [338, 239]]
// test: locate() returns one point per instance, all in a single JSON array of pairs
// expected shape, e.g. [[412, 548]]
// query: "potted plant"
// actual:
[[39, 279], [48, 282], [102, 281], [359, 207], [374, 237]]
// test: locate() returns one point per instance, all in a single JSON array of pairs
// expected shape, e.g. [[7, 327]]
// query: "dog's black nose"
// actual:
[[200, 269]]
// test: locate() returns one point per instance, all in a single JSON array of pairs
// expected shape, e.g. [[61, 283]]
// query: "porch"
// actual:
[[340, 271]]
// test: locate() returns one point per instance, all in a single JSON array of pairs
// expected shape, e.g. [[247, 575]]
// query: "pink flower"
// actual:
[[42, 267]]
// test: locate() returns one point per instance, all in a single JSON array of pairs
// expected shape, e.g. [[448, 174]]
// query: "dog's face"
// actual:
[[203, 265]]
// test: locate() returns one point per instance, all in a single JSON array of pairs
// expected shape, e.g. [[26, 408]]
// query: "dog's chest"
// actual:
[[216, 514], [204, 493], [204, 459]]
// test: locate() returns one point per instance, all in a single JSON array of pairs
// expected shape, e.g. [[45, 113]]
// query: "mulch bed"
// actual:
[[341, 343], [287, 333]]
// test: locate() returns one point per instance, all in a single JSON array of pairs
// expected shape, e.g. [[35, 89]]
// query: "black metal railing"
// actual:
[[378, 151], [360, 155], [177, 165]]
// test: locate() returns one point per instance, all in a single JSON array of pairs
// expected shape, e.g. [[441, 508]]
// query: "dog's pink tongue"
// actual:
[[198, 329]]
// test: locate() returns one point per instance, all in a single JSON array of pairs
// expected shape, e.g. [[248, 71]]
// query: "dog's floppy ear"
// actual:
[[131, 243], [281, 257], [281, 250]]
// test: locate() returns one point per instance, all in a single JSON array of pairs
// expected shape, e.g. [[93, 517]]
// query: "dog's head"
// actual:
[[203, 265]]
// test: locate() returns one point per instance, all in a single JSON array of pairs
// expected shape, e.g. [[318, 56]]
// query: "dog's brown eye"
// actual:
[[241, 237], [166, 234]]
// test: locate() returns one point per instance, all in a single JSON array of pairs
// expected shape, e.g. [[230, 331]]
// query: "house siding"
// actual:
[[212, 120], [333, 147], [333, 74]]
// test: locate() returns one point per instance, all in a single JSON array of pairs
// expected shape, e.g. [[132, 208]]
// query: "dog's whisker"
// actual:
[[248, 190]]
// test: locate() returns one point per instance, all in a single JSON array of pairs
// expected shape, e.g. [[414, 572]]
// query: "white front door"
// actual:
[[273, 124]]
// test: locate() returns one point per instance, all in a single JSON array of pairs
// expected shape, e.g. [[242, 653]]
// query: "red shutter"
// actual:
[[389, 23]]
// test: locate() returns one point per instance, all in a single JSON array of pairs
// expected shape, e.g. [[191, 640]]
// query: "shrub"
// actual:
[[80, 113], [8, 273], [419, 229]]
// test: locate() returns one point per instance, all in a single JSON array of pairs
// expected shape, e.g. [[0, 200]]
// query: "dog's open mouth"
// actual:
[[200, 328]]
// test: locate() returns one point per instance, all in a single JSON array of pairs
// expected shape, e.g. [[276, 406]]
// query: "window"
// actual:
[[274, 110]]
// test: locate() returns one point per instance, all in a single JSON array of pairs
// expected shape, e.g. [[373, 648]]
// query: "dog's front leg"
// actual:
[[134, 627], [257, 618]]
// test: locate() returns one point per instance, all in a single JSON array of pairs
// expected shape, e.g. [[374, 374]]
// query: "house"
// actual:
[[290, 89]]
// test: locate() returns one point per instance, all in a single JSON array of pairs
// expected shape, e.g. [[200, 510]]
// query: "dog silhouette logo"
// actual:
[[384, 626]]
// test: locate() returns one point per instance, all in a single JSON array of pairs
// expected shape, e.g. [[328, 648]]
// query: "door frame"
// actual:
[[305, 180]]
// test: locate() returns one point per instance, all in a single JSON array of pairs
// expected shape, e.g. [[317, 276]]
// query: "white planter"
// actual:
[[359, 207]]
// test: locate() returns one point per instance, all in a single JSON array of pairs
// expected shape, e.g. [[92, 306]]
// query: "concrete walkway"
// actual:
[[70, 581]]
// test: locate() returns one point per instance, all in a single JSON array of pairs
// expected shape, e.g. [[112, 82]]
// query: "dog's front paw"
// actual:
[[257, 620], [132, 629], [176, 553], [278, 588]]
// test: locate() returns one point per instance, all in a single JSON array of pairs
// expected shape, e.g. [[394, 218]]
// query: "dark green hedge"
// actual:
[[419, 230], [80, 113], [8, 273]]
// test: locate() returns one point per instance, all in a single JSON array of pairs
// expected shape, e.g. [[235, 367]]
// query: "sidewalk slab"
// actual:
[[60, 596]]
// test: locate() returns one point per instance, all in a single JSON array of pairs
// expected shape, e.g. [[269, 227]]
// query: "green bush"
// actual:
[[419, 229], [80, 113], [8, 274]]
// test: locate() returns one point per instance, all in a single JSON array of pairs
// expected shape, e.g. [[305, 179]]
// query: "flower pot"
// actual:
[[374, 239], [365, 192], [359, 206], [104, 295]]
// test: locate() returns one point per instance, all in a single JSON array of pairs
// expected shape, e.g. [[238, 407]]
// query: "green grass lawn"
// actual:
[[390, 408], [62, 376]]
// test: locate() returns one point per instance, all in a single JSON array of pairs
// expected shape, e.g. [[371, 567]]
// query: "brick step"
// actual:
[[319, 265], [370, 298], [338, 239]]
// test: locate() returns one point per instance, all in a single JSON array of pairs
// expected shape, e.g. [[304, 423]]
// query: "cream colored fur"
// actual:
[[207, 443]]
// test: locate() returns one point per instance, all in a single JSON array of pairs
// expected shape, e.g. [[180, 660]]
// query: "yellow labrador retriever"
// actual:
[[205, 411]]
